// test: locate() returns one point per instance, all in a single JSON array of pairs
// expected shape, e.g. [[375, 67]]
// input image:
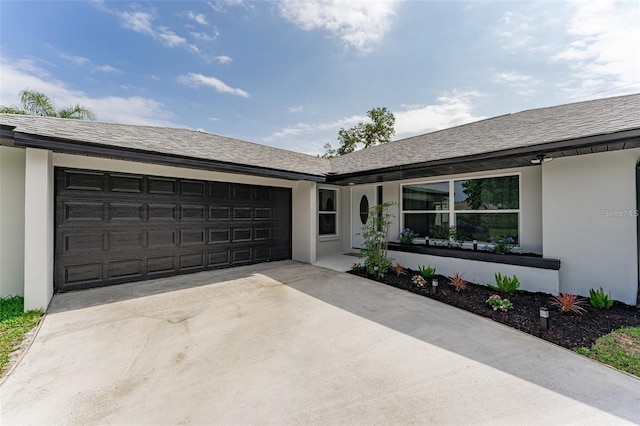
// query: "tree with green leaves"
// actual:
[[378, 131], [36, 103]]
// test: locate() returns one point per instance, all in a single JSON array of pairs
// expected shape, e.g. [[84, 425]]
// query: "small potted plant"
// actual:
[[406, 236]]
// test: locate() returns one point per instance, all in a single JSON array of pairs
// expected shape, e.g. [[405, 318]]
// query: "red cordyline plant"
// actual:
[[458, 282], [398, 269], [567, 302]]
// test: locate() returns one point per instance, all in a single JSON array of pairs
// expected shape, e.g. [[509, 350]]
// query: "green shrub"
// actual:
[[499, 304], [427, 272], [504, 284], [599, 299], [375, 233], [418, 281]]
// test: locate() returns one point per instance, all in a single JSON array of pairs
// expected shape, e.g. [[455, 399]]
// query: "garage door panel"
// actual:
[[161, 265], [219, 213], [262, 234], [83, 211], [126, 183], [261, 254], [241, 235], [162, 186], [242, 192], [191, 261], [219, 190], [217, 259], [84, 180], [131, 240], [192, 236], [219, 236], [127, 211], [116, 227], [77, 275], [126, 269], [192, 188], [241, 257], [162, 238], [242, 213], [162, 212]]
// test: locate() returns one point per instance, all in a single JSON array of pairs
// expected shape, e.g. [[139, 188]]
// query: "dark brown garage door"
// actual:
[[113, 227]]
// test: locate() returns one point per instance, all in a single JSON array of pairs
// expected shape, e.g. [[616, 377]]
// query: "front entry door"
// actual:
[[362, 199]]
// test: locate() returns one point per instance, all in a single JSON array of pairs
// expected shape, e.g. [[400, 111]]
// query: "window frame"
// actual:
[[334, 212], [452, 210]]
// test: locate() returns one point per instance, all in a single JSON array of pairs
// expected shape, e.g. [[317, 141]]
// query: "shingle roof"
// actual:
[[523, 129], [169, 141], [520, 130]]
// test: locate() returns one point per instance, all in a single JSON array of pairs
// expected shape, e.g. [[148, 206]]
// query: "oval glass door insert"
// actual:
[[364, 209]]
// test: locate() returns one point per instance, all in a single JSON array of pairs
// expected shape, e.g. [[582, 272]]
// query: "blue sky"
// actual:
[[290, 74]]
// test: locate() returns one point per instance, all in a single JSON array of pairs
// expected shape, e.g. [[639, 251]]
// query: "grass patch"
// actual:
[[14, 324], [620, 349]]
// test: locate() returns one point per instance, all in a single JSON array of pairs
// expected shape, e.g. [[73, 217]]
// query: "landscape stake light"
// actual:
[[544, 319], [426, 240], [434, 286], [475, 245]]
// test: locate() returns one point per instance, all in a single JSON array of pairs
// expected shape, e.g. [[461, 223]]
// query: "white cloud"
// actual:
[[170, 38], [78, 60], [512, 78], [142, 22], [297, 108], [24, 73], [200, 18], [517, 30], [360, 25], [452, 109], [105, 68], [82, 61], [202, 36], [221, 6], [524, 84], [137, 21], [196, 80], [305, 128], [603, 53], [223, 59]]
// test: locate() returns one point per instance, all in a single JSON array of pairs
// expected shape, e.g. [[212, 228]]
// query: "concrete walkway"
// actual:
[[288, 343]]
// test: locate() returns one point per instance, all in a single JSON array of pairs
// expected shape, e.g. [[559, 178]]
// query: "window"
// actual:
[[426, 208], [483, 209], [327, 212]]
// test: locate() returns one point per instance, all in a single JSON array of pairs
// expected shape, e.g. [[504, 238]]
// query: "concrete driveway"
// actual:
[[289, 343]]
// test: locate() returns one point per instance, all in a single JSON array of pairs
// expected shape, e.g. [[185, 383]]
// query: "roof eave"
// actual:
[[494, 160], [67, 146]]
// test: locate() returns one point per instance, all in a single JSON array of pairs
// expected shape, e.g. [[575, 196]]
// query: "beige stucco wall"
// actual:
[[304, 222], [12, 170], [38, 229], [589, 207]]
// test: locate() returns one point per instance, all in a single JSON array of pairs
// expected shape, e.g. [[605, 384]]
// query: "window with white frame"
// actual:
[[484, 209], [327, 212]]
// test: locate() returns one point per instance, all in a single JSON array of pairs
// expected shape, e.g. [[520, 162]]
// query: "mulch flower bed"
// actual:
[[570, 330]]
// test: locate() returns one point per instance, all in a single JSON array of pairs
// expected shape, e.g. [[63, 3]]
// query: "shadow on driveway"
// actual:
[[291, 343]]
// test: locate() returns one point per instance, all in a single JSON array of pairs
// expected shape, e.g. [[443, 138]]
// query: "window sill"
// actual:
[[328, 237], [483, 256]]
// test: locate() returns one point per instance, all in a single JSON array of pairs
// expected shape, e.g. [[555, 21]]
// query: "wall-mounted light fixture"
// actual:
[[541, 158]]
